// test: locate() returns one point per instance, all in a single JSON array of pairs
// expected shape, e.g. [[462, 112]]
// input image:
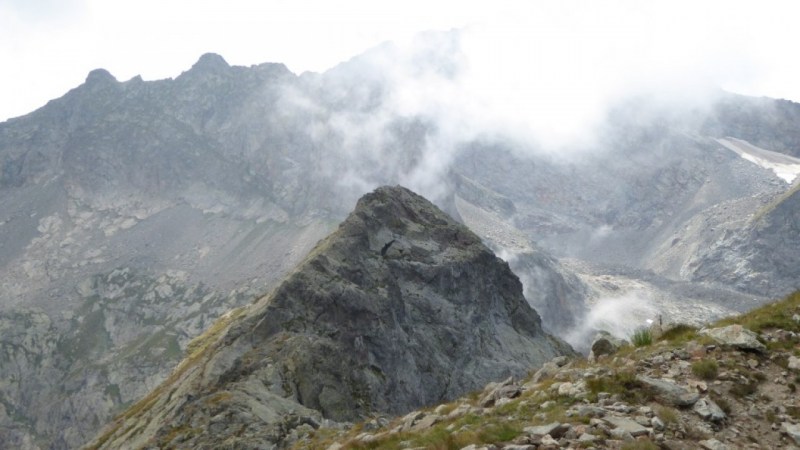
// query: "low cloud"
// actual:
[[620, 316]]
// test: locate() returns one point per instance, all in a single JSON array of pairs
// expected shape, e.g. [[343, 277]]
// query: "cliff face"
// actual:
[[398, 308]]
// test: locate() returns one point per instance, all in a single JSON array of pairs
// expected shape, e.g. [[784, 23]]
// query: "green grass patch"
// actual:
[[640, 445], [706, 369], [668, 415], [642, 337], [679, 334], [777, 315]]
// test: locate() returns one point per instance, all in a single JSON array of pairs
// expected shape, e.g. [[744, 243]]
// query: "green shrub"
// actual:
[[642, 337], [706, 369]]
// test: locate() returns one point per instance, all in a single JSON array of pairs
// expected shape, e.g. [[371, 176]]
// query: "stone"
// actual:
[[555, 430], [713, 444], [410, 419], [657, 424], [547, 370], [672, 444], [519, 447], [604, 343], [427, 422], [709, 410], [670, 392], [560, 361], [590, 411], [548, 442], [627, 425], [621, 434], [587, 438], [506, 389], [735, 336], [642, 420], [700, 386], [792, 431], [566, 389], [794, 363]]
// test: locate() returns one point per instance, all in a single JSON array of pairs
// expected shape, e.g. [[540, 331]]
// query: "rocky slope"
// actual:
[[730, 385], [400, 307]]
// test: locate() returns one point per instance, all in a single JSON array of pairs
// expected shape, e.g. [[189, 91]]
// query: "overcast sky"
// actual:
[[588, 47]]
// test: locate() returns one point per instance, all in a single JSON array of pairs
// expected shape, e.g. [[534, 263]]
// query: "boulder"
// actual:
[[791, 430], [555, 430], [735, 336], [606, 344], [627, 426], [713, 444], [709, 410], [670, 392]]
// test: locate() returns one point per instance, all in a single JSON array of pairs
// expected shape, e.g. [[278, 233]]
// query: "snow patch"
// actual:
[[785, 167]]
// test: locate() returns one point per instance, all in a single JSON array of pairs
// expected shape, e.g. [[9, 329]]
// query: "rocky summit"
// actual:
[[399, 308]]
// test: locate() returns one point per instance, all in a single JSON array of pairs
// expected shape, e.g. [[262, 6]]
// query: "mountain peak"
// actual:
[[98, 76], [210, 62], [400, 307]]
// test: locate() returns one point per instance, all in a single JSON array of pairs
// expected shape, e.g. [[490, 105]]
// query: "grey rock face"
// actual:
[[670, 392], [735, 336], [400, 307]]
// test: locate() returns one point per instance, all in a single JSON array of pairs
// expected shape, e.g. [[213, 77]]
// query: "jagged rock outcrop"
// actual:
[[399, 308]]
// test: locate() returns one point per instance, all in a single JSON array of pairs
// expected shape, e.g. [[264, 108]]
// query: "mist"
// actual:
[[542, 84], [620, 316]]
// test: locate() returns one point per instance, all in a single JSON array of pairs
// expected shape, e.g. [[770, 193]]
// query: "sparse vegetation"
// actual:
[[642, 337], [622, 383], [640, 445], [706, 369], [776, 315], [667, 415], [741, 390], [678, 334]]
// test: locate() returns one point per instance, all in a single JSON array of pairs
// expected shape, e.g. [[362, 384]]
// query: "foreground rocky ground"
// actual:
[[730, 385]]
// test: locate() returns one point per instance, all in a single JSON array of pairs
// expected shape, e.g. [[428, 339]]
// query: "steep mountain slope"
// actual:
[[760, 256], [400, 307]]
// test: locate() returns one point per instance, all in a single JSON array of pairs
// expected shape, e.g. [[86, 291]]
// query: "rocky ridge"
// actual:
[[731, 385], [400, 307]]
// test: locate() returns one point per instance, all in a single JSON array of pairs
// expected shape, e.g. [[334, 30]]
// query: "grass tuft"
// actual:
[[642, 337], [706, 369]]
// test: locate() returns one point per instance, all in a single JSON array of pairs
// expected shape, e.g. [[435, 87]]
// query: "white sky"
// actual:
[[549, 49]]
